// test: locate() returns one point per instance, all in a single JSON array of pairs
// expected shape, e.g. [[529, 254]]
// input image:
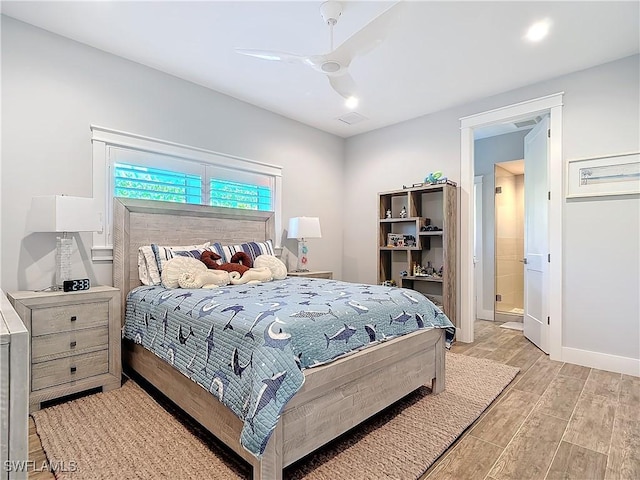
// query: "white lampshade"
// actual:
[[62, 213], [304, 227]]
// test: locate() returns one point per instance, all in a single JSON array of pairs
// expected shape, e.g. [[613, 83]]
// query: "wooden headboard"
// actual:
[[143, 222]]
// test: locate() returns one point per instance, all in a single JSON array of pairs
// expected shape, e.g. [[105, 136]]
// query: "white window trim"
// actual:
[[103, 139]]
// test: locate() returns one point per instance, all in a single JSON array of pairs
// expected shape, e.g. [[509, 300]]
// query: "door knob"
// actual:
[[524, 260]]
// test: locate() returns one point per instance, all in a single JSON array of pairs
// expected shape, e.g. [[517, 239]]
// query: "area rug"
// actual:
[[128, 433]]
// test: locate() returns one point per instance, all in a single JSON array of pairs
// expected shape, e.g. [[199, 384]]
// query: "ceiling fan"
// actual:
[[335, 64]]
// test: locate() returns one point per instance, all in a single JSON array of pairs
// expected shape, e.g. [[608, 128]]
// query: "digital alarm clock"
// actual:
[[76, 285]]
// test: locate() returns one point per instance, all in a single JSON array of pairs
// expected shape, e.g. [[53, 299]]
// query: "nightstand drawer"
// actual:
[[68, 369], [68, 318], [57, 345]]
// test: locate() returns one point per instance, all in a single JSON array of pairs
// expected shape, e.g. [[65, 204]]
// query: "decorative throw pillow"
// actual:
[[147, 266], [163, 253], [175, 267], [151, 259], [277, 267], [253, 249]]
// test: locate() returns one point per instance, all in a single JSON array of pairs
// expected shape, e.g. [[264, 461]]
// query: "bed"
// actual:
[[332, 397]]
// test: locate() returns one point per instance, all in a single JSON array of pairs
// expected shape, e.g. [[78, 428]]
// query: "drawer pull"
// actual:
[[73, 344], [73, 369], [73, 319]]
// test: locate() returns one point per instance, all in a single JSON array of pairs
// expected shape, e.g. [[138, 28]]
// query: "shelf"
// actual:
[[424, 279], [399, 220], [436, 205], [422, 188]]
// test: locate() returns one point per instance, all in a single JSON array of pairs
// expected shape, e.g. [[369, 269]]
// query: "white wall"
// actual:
[[54, 88], [488, 152], [601, 236]]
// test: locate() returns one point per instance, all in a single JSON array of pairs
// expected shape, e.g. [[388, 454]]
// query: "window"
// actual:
[[154, 176], [152, 169], [239, 195], [132, 181]]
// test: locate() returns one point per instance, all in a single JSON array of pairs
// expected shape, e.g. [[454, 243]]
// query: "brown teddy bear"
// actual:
[[240, 262]]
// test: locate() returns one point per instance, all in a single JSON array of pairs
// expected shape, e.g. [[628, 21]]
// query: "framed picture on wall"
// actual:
[[608, 175]]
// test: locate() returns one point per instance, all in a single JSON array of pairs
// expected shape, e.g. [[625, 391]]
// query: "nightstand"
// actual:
[[312, 274], [75, 341]]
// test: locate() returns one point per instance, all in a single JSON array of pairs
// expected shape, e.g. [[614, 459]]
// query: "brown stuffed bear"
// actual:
[[240, 262]]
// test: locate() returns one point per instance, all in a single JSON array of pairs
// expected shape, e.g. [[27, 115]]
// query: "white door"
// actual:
[[536, 236]]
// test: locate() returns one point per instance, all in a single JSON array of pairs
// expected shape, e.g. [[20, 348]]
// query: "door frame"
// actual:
[[480, 310], [551, 104]]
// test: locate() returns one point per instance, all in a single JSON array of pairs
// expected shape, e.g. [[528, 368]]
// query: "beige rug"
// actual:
[[126, 434]]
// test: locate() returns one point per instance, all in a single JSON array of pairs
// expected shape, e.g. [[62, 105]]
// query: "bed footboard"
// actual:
[[335, 397]]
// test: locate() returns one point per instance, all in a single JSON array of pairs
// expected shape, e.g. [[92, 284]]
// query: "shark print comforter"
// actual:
[[248, 344]]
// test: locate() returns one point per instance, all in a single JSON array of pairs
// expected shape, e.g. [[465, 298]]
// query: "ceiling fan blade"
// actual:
[[343, 84], [368, 37], [275, 56]]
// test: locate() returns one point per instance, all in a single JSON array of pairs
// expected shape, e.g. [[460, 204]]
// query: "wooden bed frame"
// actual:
[[334, 398]]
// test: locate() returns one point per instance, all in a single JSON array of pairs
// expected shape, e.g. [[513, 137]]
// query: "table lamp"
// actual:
[[303, 228], [63, 214]]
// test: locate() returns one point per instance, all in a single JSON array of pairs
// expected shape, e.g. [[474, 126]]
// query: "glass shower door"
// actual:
[[509, 243]]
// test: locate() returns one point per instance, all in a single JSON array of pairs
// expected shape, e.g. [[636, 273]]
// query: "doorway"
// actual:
[[518, 217], [551, 104]]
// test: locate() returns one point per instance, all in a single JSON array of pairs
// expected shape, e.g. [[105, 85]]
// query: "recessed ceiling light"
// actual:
[[351, 102], [538, 30]]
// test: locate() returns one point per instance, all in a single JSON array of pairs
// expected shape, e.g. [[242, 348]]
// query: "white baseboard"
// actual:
[[602, 361], [484, 314]]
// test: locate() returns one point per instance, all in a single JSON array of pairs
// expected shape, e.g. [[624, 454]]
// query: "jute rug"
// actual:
[[127, 434]]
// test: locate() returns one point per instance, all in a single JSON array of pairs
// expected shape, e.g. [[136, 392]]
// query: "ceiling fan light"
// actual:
[[351, 102], [538, 30], [330, 66]]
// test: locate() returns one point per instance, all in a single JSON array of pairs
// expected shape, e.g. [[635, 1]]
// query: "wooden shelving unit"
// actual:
[[435, 205]]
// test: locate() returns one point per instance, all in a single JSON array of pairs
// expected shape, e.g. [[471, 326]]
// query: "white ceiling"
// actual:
[[437, 55]]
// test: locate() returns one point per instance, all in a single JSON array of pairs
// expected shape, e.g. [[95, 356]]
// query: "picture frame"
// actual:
[[606, 175], [395, 240]]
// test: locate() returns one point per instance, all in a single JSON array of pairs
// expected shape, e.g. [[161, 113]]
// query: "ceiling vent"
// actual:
[[352, 118], [527, 123]]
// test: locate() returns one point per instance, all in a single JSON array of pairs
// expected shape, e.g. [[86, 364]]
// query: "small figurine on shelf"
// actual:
[[403, 212], [429, 268], [409, 241], [435, 177], [388, 214]]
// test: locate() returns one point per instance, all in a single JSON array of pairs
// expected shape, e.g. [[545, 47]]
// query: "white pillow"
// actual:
[[277, 267], [151, 259], [176, 266]]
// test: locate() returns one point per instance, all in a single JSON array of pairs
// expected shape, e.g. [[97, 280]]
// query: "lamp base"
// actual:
[[64, 247], [303, 260]]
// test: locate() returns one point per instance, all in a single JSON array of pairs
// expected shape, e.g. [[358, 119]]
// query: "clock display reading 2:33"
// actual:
[[76, 285]]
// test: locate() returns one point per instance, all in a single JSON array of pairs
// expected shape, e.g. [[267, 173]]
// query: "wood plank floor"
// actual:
[[554, 421]]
